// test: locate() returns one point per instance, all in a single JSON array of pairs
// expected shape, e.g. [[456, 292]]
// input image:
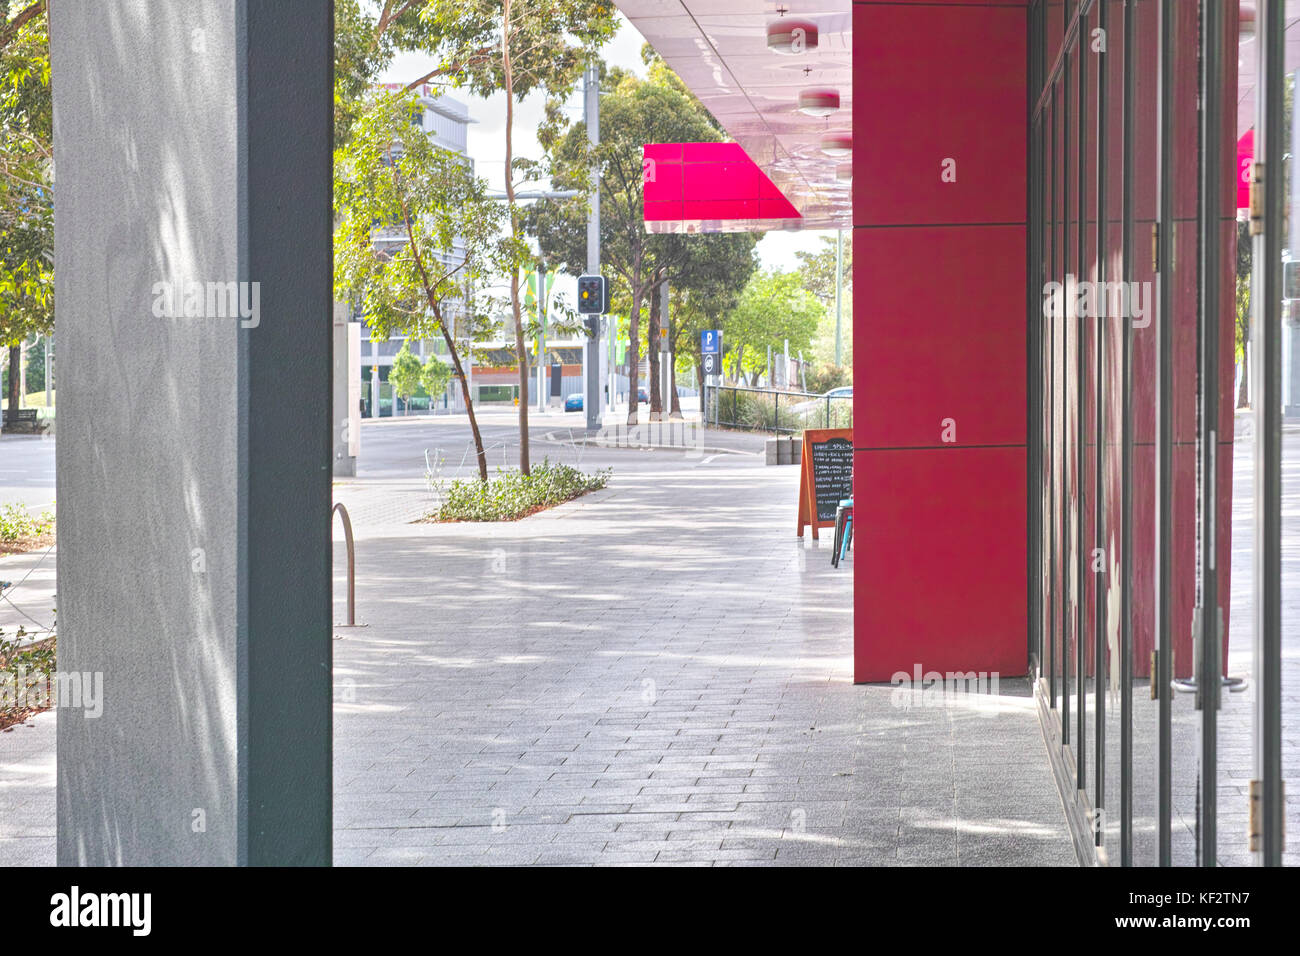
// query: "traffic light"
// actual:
[[591, 295]]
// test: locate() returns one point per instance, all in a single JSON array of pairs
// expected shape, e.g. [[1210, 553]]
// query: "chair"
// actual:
[[843, 531]]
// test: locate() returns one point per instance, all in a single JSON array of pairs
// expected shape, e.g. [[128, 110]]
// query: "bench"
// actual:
[[22, 420]]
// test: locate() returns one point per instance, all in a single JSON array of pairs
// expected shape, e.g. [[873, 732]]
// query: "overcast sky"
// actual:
[[487, 133]]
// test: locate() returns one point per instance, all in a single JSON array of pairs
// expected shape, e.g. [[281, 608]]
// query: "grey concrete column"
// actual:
[[192, 256]]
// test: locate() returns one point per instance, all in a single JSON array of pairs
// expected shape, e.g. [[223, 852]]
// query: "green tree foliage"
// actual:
[[26, 198], [516, 47], [390, 173], [405, 374], [435, 375], [774, 308], [698, 268], [817, 269]]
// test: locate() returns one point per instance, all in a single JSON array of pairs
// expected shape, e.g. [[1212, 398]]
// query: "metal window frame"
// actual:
[[1208, 663], [1126, 466], [1266, 354], [1099, 494], [1164, 581], [1083, 547]]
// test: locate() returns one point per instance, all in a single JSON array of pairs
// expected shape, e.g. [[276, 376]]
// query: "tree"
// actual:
[[434, 376], [390, 173], [405, 374], [517, 47], [712, 274], [26, 198], [817, 269], [773, 309], [633, 112]]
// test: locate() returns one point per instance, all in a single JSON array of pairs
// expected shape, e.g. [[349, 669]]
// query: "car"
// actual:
[[573, 403], [823, 401], [643, 396]]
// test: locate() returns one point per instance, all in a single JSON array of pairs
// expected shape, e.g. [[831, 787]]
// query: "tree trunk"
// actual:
[[652, 356], [520, 354], [674, 398], [451, 348], [634, 346], [1243, 391], [469, 404], [15, 374]]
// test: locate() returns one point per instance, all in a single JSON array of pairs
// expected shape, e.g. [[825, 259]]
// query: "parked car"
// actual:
[[573, 403], [816, 404], [642, 396]]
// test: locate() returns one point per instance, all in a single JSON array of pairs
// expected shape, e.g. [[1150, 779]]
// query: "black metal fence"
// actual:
[[773, 410]]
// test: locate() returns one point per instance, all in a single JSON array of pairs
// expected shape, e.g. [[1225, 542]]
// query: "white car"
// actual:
[[814, 404]]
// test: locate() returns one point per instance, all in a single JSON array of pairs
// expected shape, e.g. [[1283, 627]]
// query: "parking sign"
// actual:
[[710, 341]]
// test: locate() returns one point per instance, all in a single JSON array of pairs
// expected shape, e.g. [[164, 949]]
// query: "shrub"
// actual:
[[512, 495], [17, 523], [32, 664], [825, 377]]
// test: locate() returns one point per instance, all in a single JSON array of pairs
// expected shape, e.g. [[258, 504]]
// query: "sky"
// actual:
[[487, 134]]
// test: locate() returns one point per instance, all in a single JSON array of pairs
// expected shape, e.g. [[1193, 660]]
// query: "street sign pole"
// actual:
[[711, 356]]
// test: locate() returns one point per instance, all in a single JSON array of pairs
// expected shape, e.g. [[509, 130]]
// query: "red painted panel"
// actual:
[[1146, 102], [939, 561], [935, 82], [943, 338]]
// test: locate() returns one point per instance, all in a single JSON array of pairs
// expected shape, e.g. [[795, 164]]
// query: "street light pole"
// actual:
[[591, 102], [542, 390]]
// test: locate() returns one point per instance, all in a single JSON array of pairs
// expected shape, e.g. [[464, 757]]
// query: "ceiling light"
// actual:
[[819, 102], [838, 145], [792, 36]]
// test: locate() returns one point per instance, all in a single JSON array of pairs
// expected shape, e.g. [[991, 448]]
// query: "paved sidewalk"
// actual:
[[27, 792], [658, 673]]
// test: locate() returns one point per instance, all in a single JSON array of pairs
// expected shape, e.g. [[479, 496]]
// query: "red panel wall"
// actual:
[[939, 333]]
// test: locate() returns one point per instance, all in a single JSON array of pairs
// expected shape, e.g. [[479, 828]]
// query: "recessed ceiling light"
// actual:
[[819, 102], [838, 145], [792, 36]]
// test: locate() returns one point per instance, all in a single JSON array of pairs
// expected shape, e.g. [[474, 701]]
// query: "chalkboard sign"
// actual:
[[827, 476]]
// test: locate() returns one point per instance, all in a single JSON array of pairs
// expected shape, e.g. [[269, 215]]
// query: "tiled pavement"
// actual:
[[27, 793], [659, 673]]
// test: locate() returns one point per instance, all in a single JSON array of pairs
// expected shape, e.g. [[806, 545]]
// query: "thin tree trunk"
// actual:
[[515, 306], [464, 390], [652, 356], [634, 345], [15, 374], [451, 348], [1243, 391], [675, 402]]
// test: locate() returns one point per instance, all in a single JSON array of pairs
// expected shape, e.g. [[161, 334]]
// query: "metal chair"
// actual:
[[843, 531]]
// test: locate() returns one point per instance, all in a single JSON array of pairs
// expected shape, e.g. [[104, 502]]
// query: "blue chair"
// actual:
[[843, 531]]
